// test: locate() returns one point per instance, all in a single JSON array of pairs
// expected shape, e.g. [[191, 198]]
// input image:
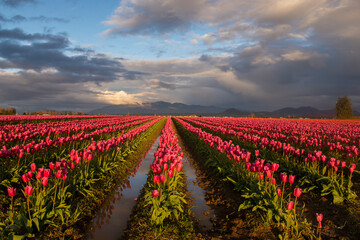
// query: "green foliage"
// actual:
[[344, 108]]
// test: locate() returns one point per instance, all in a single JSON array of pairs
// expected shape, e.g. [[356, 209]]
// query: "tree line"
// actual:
[[7, 111]]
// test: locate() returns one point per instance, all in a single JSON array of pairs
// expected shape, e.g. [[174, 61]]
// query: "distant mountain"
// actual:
[[165, 108], [306, 112], [159, 108]]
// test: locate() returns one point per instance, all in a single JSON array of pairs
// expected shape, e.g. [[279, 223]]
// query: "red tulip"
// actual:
[[290, 205], [51, 165], [291, 179], [45, 181], [278, 191], [352, 167], [162, 178], [273, 180], [171, 174], [179, 166], [274, 167], [25, 178], [28, 190], [343, 164], [155, 193], [297, 192], [257, 153], [156, 179], [33, 167], [11, 191], [319, 218], [284, 177], [166, 167]]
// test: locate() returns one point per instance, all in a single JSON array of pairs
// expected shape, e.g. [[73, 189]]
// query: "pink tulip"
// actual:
[[278, 191], [171, 174]]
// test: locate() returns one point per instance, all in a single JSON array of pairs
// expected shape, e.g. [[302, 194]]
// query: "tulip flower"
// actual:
[[162, 178], [171, 174], [278, 191], [166, 166], [33, 167], [297, 192], [28, 190], [51, 165], [319, 218], [155, 193], [291, 179], [156, 179], [25, 178], [45, 181], [283, 177], [11, 191], [290, 205]]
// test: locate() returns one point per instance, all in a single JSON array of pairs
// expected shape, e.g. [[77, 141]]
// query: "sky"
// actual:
[[258, 55]]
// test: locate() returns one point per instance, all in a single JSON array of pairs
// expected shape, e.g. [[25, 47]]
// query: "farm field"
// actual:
[[73, 177]]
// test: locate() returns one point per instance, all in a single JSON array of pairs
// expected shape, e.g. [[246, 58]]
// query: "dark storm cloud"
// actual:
[[16, 3], [20, 18], [47, 51]]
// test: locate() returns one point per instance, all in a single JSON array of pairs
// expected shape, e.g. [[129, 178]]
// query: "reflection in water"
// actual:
[[117, 209], [200, 209]]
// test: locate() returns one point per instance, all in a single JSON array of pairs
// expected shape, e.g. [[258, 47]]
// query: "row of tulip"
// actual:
[[119, 124], [163, 195], [50, 194], [11, 135], [14, 118], [327, 136], [261, 186], [332, 177]]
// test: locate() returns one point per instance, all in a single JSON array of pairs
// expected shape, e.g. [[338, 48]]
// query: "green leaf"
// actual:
[[36, 221]]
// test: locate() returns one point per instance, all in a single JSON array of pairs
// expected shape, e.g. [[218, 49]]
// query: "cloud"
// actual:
[[118, 97], [16, 3], [20, 18], [153, 16]]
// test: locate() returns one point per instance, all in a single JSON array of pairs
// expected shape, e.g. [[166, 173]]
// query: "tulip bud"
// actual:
[[278, 191], [171, 174]]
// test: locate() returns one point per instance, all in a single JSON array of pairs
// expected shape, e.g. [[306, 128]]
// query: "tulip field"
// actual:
[[263, 178]]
